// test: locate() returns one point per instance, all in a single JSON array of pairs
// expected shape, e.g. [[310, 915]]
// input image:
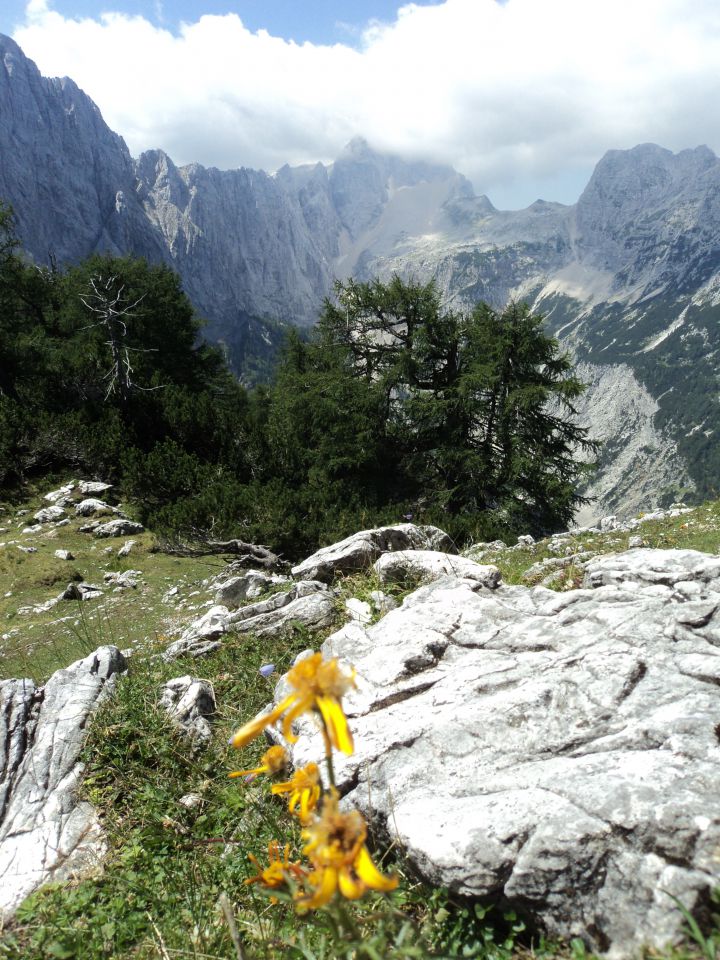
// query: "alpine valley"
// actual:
[[628, 277]]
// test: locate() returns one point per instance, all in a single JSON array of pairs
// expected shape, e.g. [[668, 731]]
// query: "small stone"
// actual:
[[64, 555], [191, 801], [124, 551], [359, 610], [634, 542]]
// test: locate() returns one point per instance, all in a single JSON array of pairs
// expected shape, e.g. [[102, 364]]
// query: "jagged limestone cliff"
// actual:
[[629, 277]]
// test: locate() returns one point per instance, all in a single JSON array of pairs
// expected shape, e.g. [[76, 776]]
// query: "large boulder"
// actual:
[[45, 833], [430, 565], [359, 551], [556, 752]]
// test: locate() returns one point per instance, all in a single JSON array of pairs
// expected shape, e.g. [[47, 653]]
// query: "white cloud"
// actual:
[[517, 95]]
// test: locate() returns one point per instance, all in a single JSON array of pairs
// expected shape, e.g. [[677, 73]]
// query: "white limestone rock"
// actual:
[[359, 610], [93, 488], [45, 833], [307, 603], [360, 550], [64, 555], [430, 564], [117, 528], [92, 507], [558, 751], [49, 514], [62, 493]]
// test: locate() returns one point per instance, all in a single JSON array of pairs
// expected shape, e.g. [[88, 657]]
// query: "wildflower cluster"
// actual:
[[338, 860]]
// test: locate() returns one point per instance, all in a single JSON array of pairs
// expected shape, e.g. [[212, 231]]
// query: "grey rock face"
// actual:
[[45, 834], [358, 551], [556, 751]]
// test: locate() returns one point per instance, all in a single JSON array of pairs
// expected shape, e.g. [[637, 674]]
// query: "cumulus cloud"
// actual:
[[519, 96]]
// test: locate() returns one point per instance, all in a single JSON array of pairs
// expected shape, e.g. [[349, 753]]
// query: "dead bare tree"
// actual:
[[109, 304]]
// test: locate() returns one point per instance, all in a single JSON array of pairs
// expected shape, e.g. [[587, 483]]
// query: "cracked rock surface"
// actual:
[[45, 833], [555, 751]]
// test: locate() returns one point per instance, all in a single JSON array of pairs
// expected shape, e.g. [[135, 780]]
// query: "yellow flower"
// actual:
[[317, 685], [278, 870], [272, 761], [336, 849], [304, 789]]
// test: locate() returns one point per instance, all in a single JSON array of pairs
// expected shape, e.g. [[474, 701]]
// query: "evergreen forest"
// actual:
[[394, 409]]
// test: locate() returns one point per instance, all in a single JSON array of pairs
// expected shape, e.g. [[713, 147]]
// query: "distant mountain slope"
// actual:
[[629, 277]]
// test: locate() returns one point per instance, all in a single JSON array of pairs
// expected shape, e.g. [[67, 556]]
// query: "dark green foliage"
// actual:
[[401, 408], [393, 407]]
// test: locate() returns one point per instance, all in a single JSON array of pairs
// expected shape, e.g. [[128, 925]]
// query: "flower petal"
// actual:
[[350, 887], [369, 873], [255, 727], [325, 892], [336, 724]]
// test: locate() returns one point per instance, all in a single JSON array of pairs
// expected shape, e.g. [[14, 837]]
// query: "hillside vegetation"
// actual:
[[395, 407], [169, 865]]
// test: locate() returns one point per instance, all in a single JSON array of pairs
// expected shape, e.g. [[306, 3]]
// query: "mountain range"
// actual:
[[628, 277]]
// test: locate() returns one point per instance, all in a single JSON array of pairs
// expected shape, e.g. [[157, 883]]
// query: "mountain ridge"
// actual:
[[628, 277]]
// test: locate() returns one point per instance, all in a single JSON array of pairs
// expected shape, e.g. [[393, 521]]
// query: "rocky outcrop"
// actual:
[[45, 833], [308, 604], [556, 752], [360, 550]]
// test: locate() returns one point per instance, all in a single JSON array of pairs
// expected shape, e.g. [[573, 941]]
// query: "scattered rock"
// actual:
[[45, 833], [127, 580], [192, 801], [190, 702], [118, 528], [554, 564], [64, 555], [63, 523], [556, 751], [634, 542], [36, 528], [525, 541], [27, 549], [125, 549], [359, 551], [49, 514], [81, 591]]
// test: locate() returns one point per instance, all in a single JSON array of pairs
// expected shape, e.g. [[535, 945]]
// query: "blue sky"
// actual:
[[521, 96], [318, 21]]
